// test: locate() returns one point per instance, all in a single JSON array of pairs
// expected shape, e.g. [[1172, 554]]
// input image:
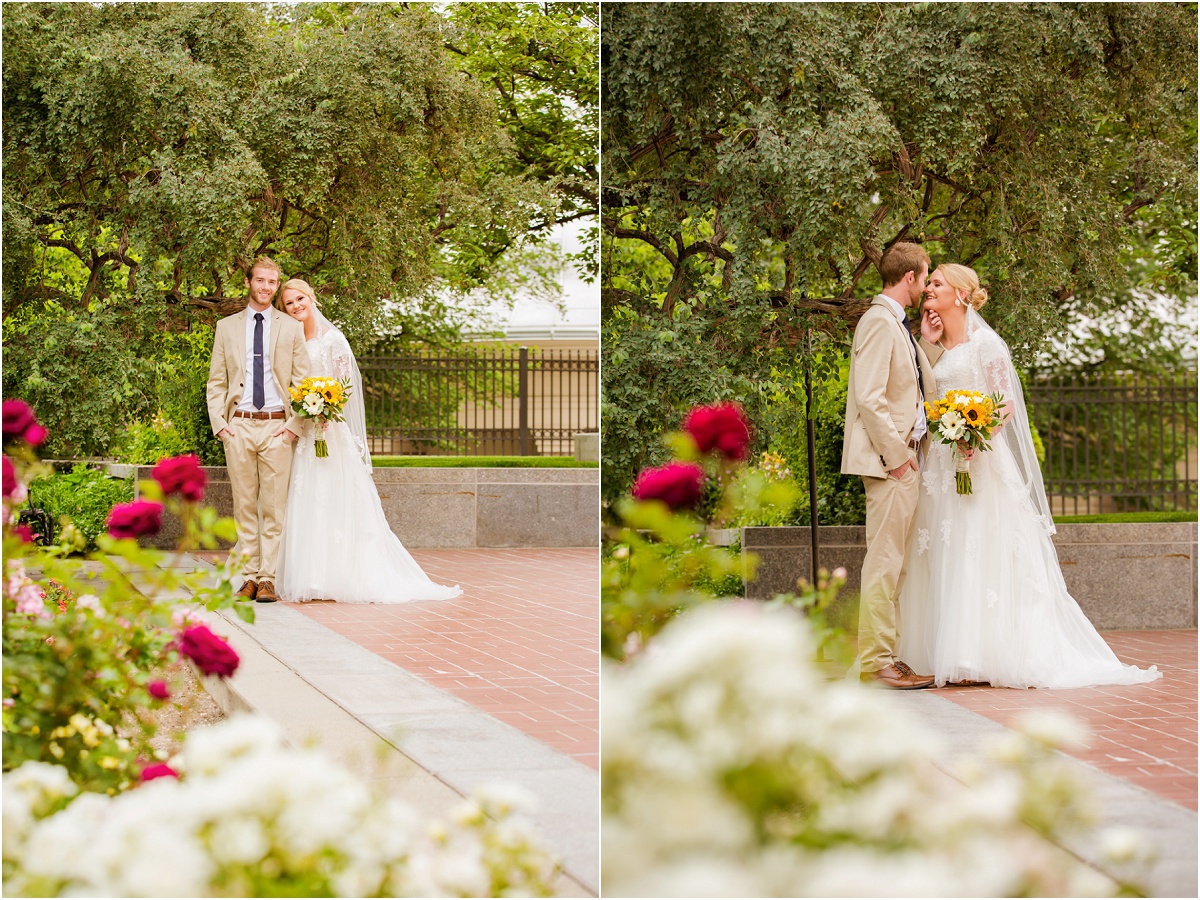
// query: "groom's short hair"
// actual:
[[901, 259], [264, 262]]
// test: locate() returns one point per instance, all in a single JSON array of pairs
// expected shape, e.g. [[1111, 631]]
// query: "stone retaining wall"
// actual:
[[1124, 576], [430, 508]]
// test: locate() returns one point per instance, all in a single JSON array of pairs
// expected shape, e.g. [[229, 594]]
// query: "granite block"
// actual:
[[539, 515]]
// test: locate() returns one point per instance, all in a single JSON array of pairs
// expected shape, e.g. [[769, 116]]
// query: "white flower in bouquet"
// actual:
[[313, 404]]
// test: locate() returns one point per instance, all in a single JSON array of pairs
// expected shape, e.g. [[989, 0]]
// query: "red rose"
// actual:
[[158, 770], [211, 653], [17, 418], [25, 533], [158, 690], [181, 475], [676, 484], [721, 427], [131, 520], [10, 478]]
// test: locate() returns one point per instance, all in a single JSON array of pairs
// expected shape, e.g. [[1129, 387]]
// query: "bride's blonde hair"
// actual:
[[296, 284], [961, 278]]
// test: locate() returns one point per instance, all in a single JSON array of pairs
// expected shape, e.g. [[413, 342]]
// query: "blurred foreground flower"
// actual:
[[721, 427], [132, 520], [249, 817], [731, 767], [211, 653], [676, 484], [181, 475]]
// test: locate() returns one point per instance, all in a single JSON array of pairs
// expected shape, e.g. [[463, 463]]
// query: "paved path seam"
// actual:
[[1170, 828]]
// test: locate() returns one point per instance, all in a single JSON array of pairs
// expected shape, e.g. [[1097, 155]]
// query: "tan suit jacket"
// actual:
[[226, 373], [882, 400]]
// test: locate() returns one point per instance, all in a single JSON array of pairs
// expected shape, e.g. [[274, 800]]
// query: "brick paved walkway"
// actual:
[[1145, 733], [521, 644]]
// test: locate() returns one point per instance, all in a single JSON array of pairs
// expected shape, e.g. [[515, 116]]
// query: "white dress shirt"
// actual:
[[273, 399], [919, 428]]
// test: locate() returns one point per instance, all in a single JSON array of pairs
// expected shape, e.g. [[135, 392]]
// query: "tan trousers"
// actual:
[[891, 517], [259, 467]]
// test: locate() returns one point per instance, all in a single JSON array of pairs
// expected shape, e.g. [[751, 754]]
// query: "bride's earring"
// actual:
[[958, 301]]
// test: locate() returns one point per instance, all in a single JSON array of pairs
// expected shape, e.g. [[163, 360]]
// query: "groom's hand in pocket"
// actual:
[[899, 473], [287, 435]]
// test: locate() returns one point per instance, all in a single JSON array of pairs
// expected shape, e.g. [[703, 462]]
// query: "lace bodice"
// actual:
[[330, 356], [974, 365]]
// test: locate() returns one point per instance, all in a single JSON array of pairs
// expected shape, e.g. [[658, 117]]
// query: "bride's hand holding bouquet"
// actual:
[[966, 420], [321, 400]]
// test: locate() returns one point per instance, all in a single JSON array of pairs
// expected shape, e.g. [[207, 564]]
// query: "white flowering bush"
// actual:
[[731, 767], [249, 817]]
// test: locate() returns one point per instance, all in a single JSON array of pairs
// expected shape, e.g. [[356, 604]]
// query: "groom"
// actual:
[[264, 347], [890, 376]]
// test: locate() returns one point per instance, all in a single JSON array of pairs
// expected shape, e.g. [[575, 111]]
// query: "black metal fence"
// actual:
[[481, 402], [1116, 442]]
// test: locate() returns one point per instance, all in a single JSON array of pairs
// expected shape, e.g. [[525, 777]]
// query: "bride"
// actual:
[[336, 541], [985, 600]]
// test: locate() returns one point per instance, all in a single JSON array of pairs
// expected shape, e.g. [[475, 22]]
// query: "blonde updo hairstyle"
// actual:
[[961, 278], [296, 284]]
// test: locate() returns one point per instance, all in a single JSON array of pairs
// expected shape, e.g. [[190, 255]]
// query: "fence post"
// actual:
[[523, 406]]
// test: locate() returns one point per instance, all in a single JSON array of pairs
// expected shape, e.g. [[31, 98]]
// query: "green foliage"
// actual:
[[83, 497], [75, 675], [1127, 518], [758, 157], [83, 371], [482, 462], [182, 361], [654, 567], [145, 443], [152, 150], [820, 606], [542, 62]]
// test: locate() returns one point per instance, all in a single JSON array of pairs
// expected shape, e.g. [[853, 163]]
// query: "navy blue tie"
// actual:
[[260, 391]]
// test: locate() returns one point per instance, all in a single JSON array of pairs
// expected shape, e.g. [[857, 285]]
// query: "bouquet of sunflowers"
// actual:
[[965, 419], [322, 400]]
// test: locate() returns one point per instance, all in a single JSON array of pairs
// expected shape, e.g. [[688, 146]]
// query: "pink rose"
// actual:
[[158, 770], [31, 601], [17, 418], [35, 434], [25, 532], [676, 484], [10, 478], [131, 520], [721, 427], [211, 653], [181, 475], [158, 690]]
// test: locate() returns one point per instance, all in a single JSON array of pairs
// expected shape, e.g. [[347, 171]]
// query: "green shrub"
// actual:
[[145, 443], [84, 496]]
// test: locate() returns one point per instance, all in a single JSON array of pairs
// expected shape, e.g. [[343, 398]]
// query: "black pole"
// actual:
[[810, 414]]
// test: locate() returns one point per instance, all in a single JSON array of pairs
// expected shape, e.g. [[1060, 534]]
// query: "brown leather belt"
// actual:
[[259, 415], [914, 444]]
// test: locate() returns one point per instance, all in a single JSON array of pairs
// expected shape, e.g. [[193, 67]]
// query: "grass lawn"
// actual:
[[1126, 518], [482, 462]]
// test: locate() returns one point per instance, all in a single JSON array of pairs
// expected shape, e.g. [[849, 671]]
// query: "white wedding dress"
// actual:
[[984, 598], [336, 542]]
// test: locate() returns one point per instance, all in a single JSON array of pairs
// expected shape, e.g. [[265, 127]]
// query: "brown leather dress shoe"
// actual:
[[892, 677], [249, 590], [266, 592]]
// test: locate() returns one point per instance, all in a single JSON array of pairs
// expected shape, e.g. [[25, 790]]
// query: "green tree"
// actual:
[[766, 154], [152, 150], [158, 148]]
